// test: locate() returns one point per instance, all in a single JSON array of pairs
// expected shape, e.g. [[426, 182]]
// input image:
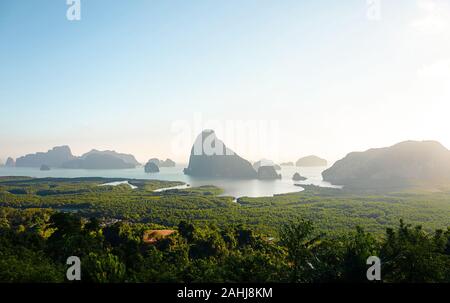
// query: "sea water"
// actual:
[[231, 187]]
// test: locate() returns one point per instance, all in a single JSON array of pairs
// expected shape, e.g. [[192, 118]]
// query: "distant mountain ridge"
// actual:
[[407, 163], [62, 157], [127, 158], [98, 161], [311, 161], [53, 158]]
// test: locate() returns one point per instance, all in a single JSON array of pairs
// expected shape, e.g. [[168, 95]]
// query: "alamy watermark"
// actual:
[[74, 10], [374, 271], [373, 10], [74, 271], [255, 138]]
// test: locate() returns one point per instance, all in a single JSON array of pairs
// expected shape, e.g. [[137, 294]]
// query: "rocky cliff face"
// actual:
[[151, 167], [169, 163], [268, 173], [53, 158], [404, 164], [211, 158], [10, 162]]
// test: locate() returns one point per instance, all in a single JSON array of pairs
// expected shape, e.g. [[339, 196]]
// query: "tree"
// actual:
[[411, 255], [103, 268], [359, 247], [186, 230], [299, 239], [70, 239]]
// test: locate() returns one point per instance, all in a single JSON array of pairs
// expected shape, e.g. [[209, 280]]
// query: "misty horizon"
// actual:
[[185, 160], [334, 79]]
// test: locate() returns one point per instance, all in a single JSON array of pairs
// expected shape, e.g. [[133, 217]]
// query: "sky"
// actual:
[[276, 79]]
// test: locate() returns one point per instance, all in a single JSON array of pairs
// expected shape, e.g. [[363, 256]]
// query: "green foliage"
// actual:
[[333, 211], [412, 255], [299, 240], [21, 265], [218, 240], [103, 268], [359, 247], [116, 253]]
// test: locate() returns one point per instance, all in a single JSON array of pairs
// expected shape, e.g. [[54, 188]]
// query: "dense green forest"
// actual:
[[319, 235], [34, 246], [332, 210]]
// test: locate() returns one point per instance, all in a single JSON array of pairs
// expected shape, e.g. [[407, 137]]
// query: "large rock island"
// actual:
[[53, 158], [265, 162], [410, 163], [151, 167], [162, 163], [268, 173], [311, 161], [127, 158], [211, 158]]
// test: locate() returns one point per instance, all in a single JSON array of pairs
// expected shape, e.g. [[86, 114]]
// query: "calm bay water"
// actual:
[[235, 188]]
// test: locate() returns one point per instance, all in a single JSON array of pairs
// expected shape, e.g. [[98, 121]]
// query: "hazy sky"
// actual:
[[130, 74]]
